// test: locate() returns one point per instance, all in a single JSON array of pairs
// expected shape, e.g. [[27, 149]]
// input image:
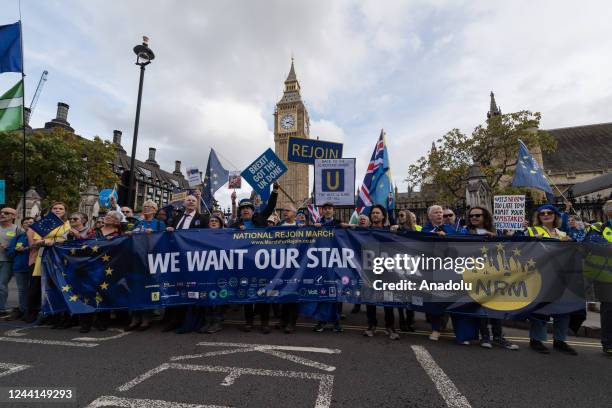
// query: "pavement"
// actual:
[[305, 369]]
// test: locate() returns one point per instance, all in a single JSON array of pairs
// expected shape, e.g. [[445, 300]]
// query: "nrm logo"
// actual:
[[501, 288]]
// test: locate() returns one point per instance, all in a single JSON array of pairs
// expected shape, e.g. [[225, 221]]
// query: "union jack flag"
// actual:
[[376, 185], [315, 215]]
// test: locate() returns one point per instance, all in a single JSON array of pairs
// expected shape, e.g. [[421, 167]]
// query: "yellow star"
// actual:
[[73, 298], [484, 250], [531, 263], [73, 251], [109, 271], [95, 248], [98, 298], [500, 247], [516, 252], [86, 300], [65, 261], [104, 286], [66, 288], [106, 258], [84, 247]]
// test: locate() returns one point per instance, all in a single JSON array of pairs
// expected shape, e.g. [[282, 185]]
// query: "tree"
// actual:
[[493, 146], [59, 164]]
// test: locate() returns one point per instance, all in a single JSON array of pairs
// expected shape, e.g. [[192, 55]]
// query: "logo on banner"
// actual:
[[507, 282], [333, 179]]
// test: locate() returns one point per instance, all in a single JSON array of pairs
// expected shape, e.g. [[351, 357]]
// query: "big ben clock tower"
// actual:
[[291, 120]]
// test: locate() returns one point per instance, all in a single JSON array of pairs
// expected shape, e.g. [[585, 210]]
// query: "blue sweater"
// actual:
[[20, 258]]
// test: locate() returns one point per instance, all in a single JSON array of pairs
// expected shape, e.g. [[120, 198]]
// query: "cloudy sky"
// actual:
[[415, 68]]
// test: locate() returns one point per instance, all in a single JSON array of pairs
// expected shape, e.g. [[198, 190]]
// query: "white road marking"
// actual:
[[122, 333], [214, 353], [12, 368], [110, 401], [17, 332], [270, 349], [444, 385], [48, 342], [326, 381], [273, 347], [299, 360]]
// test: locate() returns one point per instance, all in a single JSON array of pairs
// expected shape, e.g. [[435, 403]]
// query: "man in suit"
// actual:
[[189, 219], [250, 219]]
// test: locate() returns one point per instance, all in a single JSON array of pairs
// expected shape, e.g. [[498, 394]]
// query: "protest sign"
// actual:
[[302, 150], [234, 180], [265, 170], [193, 176], [509, 212], [334, 181]]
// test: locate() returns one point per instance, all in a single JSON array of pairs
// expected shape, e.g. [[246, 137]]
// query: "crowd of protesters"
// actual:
[[21, 249]]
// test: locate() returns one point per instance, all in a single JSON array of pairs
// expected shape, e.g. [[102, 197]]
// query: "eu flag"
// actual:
[[47, 224], [11, 58], [527, 173], [216, 176]]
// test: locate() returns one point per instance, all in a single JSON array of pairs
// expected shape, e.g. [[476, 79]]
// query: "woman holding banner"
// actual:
[[547, 224], [480, 222], [37, 244]]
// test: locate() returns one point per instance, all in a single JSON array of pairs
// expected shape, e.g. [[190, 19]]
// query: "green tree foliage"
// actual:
[[494, 146], [59, 164]]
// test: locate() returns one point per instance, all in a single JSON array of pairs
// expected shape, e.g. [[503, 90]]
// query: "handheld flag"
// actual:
[[11, 108], [11, 58], [315, 215], [527, 172], [47, 224], [216, 176], [376, 187]]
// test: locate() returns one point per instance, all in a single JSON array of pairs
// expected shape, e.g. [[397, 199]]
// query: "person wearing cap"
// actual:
[[272, 220], [302, 217], [327, 219], [8, 231], [249, 219], [547, 224]]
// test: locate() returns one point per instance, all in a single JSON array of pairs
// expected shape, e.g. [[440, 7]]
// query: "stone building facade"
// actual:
[[291, 120]]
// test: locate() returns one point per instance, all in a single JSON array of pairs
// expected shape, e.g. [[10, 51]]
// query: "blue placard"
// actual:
[[265, 170], [2, 191], [302, 150]]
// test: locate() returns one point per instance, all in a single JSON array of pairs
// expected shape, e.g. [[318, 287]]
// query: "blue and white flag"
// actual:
[[215, 177], [528, 173], [377, 187], [11, 58]]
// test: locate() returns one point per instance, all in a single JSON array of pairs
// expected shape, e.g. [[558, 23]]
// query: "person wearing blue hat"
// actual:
[[249, 219]]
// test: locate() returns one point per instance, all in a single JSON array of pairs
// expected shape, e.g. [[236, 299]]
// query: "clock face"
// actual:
[[287, 121]]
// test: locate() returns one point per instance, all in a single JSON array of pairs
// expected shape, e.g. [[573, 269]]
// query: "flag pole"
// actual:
[[23, 122]]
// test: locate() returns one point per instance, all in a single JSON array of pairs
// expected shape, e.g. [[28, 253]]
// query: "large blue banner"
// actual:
[[500, 277]]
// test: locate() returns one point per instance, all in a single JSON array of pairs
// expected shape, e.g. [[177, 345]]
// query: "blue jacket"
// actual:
[[20, 258], [448, 229]]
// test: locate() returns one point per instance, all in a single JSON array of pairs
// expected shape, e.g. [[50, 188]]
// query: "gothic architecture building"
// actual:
[[291, 120]]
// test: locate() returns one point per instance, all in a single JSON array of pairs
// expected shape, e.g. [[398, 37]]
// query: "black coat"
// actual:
[[261, 219], [198, 221]]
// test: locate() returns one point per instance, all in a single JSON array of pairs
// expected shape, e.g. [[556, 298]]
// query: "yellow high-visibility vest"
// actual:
[[599, 267]]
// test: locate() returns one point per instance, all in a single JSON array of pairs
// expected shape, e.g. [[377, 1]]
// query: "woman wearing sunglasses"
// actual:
[[480, 222], [546, 224]]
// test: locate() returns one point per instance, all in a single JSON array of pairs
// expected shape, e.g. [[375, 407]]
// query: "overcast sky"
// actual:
[[415, 68]]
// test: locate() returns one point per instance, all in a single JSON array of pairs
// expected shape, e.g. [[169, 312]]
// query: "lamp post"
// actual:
[[144, 56]]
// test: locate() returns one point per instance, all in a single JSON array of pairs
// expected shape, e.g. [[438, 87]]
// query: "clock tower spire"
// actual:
[[291, 120]]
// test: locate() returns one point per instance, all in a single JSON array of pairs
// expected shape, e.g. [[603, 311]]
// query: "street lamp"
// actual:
[[144, 56]]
